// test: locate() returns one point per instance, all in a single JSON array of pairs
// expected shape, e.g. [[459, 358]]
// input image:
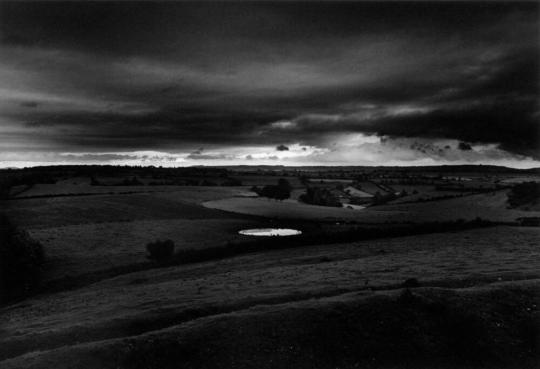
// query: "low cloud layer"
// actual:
[[209, 82]]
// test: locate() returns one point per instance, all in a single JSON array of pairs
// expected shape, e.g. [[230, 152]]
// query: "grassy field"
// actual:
[[82, 186], [369, 187], [458, 299], [84, 234], [350, 331], [84, 248], [519, 179], [88, 234], [289, 209], [492, 206], [105, 319], [60, 211], [425, 192]]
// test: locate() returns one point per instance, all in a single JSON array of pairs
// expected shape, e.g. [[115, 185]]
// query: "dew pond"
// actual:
[[270, 232]]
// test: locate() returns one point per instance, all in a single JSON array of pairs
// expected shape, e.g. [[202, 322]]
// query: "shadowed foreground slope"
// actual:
[[494, 326], [321, 306]]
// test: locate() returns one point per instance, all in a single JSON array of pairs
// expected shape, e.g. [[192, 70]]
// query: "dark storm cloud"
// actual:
[[95, 157], [175, 76], [165, 129], [513, 125], [464, 146]]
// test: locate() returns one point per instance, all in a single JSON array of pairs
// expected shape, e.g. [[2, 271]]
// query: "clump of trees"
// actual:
[[281, 191], [524, 193], [160, 251], [21, 261], [320, 196]]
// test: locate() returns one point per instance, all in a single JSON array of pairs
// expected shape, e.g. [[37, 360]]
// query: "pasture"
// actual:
[[489, 206], [85, 234], [102, 301], [155, 301]]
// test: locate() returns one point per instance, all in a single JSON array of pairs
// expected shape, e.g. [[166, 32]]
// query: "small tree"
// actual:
[[160, 251]]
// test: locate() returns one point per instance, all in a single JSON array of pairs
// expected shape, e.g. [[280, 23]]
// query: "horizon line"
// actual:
[[267, 165]]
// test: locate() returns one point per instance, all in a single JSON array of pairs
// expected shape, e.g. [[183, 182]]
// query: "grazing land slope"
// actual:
[[425, 328], [86, 234], [288, 305]]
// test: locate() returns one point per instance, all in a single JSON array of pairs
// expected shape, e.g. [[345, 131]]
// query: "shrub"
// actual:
[[21, 260], [160, 250]]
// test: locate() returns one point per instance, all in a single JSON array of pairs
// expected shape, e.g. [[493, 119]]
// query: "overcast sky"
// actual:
[[283, 83]]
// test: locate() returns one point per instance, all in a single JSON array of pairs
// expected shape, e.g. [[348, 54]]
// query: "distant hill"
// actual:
[[428, 168], [201, 169]]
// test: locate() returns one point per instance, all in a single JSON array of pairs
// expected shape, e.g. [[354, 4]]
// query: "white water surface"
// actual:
[[270, 232]]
